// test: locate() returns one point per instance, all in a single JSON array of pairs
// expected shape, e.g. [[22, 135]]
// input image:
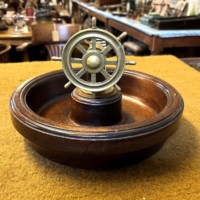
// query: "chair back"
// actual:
[[53, 36], [41, 33], [4, 53]]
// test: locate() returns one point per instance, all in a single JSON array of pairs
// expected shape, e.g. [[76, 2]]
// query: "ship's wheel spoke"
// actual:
[[81, 48], [81, 73], [76, 60], [106, 50], [93, 78], [105, 74], [93, 43], [111, 62]]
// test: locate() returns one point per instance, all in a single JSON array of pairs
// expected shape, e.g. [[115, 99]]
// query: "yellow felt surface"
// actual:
[[172, 173]]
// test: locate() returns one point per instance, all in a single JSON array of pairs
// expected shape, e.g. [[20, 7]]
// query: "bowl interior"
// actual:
[[143, 98]]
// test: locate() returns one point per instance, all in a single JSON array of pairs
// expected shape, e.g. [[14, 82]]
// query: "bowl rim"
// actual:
[[22, 113]]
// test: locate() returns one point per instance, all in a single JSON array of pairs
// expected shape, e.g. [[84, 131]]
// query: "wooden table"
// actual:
[[92, 11], [11, 37], [157, 40]]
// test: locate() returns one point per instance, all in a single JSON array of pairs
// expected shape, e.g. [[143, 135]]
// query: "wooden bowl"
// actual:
[[151, 111]]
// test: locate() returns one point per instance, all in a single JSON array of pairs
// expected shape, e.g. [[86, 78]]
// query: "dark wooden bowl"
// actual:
[[151, 111]]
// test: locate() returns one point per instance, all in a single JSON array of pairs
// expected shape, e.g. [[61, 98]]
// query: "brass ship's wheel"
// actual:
[[94, 46]]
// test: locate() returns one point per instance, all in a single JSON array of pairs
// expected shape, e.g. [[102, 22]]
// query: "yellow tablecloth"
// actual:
[[172, 173]]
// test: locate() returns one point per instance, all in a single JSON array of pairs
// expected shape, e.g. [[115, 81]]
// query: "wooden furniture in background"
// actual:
[[4, 53], [193, 62], [52, 36], [156, 40], [135, 47], [105, 2], [11, 37]]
